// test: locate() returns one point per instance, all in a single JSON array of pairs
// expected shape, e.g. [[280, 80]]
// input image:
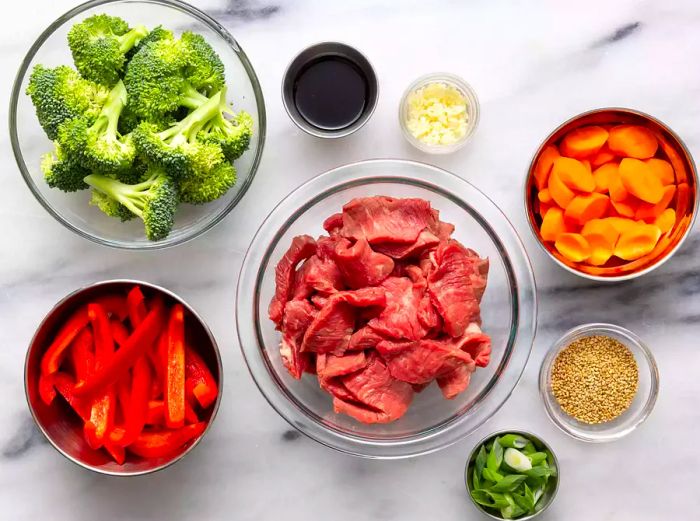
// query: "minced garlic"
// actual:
[[437, 114]]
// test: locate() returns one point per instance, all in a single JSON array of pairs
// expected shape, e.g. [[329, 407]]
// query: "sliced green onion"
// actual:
[[517, 460], [514, 441]]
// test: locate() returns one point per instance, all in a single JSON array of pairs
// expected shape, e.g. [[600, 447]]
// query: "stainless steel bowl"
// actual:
[[539, 443], [321, 50], [685, 171], [58, 423]]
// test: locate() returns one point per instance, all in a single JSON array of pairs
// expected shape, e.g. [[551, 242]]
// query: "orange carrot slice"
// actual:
[[601, 250], [615, 187], [667, 220], [584, 141], [633, 141], [561, 193], [587, 164], [543, 208], [544, 196], [648, 211], [573, 246], [603, 227], [604, 155], [662, 169], [637, 241], [621, 224], [543, 166], [627, 207], [573, 174], [603, 175], [640, 181], [586, 207], [553, 224]]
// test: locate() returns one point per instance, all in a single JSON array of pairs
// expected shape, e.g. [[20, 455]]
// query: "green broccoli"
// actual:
[[63, 172], [110, 207], [99, 146], [231, 134], [60, 94], [157, 33], [203, 187], [99, 45], [153, 200], [204, 69], [177, 148]]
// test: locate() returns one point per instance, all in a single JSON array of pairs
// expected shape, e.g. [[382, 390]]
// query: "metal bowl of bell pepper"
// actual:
[[123, 377]]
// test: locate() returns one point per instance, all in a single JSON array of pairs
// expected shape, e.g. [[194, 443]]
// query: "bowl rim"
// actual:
[[522, 330], [604, 329], [659, 262], [213, 25], [530, 436], [129, 282]]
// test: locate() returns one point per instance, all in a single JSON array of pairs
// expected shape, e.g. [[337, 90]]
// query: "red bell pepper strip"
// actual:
[[46, 388], [190, 414], [136, 409], [119, 331], [136, 304], [103, 407], [53, 356], [82, 355], [160, 443], [137, 344], [199, 382], [156, 412], [113, 304], [174, 392], [157, 356]]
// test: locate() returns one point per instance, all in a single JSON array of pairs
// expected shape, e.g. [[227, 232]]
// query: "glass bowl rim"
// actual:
[[591, 329], [523, 327], [190, 11], [457, 82]]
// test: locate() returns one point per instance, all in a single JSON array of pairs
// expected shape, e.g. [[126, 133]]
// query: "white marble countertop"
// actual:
[[533, 65]]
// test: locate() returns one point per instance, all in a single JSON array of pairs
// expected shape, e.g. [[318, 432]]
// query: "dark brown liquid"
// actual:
[[330, 93]]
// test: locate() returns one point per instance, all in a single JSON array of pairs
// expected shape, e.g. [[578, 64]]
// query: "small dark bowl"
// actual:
[[321, 50], [60, 424]]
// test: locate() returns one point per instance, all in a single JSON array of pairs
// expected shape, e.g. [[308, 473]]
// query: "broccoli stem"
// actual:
[[187, 129], [192, 98], [132, 38], [108, 120], [134, 197]]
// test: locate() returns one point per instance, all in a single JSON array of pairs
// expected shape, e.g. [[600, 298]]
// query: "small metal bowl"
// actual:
[[321, 50], [686, 208], [641, 406], [540, 444], [59, 423]]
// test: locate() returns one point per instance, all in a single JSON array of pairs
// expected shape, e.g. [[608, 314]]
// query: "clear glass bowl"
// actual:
[[508, 310], [641, 406], [29, 141], [472, 111]]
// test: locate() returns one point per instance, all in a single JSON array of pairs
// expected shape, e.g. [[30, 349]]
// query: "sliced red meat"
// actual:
[[359, 265], [298, 315], [425, 360], [427, 314], [329, 366], [445, 231], [476, 343], [330, 331], [401, 250], [379, 398], [319, 300], [302, 248], [325, 247], [364, 338], [389, 348], [336, 388], [455, 381], [456, 285], [399, 319], [317, 275], [386, 219], [334, 223]]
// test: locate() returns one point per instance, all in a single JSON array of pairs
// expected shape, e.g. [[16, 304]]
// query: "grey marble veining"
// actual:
[[533, 65]]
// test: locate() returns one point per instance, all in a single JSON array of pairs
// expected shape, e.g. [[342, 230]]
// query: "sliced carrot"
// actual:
[[621, 224], [561, 194], [667, 220], [649, 212], [544, 207], [640, 181], [544, 196], [637, 241], [604, 155], [586, 207], [627, 207], [543, 166], [601, 250], [573, 174], [553, 224], [587, 164], [633, 141], [603, 175], [603, 227], [573, 246], [617, 190], [583, 141], [662, 169]]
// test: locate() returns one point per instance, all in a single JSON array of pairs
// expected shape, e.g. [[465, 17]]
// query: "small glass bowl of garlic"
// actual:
[[438, 113]]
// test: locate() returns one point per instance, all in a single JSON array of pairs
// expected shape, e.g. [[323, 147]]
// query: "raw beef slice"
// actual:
[[329, 366], [359, 265], [302, 247], [298, 315], [318, 275], [401, 250], [455, 381], [425, 360], [400, 316]]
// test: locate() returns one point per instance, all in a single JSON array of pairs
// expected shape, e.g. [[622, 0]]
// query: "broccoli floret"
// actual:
[[231, 134], [62, 172], [177, 149], [204, 69], [157, 33], [100, 146], [110, 206], [60, 94], [156, 83], [153, 200], [99, 45], [206, 187]]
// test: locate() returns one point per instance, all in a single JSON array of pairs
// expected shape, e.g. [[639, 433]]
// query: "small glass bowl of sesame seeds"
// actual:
[[599, 382]]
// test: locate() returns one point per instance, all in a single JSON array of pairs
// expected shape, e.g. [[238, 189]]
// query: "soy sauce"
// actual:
[[331, 92]]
